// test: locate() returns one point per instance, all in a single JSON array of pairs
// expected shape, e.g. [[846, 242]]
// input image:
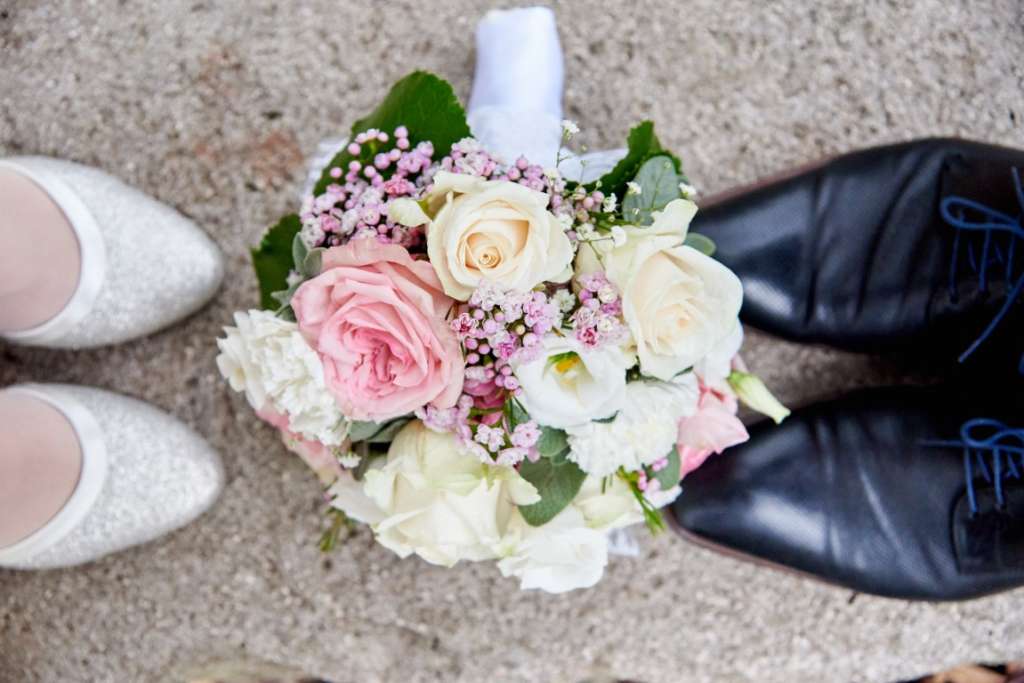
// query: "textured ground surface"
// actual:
[[212, 107]]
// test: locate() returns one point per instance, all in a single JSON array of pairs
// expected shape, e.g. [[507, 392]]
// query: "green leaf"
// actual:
[[284, 297], [556, 482], [299, 250], [310, 266], [423, 103], [388, 432], [701, 243], [552, 442], [376, 432], [667, 476], [516, 413], [642, 145], [607, 420], [659, 184], [273, 260], [359, 430]]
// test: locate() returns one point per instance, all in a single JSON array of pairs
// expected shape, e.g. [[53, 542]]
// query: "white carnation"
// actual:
[[267, 358], [644, 430]]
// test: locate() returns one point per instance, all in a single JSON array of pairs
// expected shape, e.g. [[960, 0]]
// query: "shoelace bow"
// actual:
[[969, 216], [984, 439]]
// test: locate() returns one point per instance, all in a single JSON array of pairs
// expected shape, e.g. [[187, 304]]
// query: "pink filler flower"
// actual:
[[376, 317]]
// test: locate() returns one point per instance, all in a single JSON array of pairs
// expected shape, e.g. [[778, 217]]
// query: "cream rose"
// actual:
[[679, 304], [431, 499], [494, 231]]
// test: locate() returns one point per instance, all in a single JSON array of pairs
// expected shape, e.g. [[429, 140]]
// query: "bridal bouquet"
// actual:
[[487, 358]]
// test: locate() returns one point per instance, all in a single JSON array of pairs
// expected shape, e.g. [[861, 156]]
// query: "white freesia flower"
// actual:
[[493, 231], [268, 359], [431, 499], [679, 303], [570, 385], [644, 431], [560, 556]]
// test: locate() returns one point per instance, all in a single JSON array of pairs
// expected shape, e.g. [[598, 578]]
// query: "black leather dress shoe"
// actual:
[[917, 245], [883, 492]]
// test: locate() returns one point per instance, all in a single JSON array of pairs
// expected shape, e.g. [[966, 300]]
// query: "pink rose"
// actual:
[[376, 317], [316, 455], [712, 429]]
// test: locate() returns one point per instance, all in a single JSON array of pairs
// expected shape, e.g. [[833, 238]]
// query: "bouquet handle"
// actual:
[[516, 104]]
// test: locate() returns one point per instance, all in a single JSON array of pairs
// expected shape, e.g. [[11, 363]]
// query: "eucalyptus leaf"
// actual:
[[552, 442], [359, 430], [299, 250], [556, 482], [310, 266], [284, 297], [273, 259], [668, 476], [642, 144], [388, 432], [701, 243], [376, 432], [659, 184]]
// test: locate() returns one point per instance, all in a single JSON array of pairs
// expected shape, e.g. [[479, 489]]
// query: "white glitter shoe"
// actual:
[[144, 265], [144, 474]]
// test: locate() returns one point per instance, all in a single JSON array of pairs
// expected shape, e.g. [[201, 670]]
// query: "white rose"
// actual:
[[560, 556], [347, 494], [645, 430], [435, 501], [679, 304], [496, 231], [268, 359], [580, 386]]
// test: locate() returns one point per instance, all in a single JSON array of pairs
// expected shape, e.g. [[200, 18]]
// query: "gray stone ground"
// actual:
[[213, 106]]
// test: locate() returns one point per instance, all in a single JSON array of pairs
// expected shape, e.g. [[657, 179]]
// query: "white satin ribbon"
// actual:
[[515, 107], [516, 104]]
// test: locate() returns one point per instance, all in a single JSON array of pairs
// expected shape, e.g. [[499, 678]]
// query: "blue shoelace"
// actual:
[[992, 452], [971, 218]]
